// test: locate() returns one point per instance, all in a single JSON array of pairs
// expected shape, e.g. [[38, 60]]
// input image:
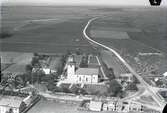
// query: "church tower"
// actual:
[[71, 69]]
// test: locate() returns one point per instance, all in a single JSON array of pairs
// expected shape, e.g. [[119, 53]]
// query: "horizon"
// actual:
[[82, 2]]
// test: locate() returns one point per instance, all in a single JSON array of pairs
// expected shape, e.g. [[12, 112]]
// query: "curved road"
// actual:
[[159, 100]]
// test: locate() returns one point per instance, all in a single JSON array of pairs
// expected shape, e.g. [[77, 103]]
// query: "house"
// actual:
[[95, 106], [165, 75], [10, 103], [135, 106], [46, 71], [125, 106], [105, 107], [17, 104], [118, 106], [81, 75], [52, 66], [111, 106]]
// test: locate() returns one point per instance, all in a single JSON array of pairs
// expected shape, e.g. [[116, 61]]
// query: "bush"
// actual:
[[35, 61], [84, 62]]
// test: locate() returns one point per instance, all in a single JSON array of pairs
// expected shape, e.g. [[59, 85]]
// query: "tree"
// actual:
[[37, 76], [74, 89], [84, 62], [82, 91], [35, 61], [132, 86], [20, 81], [114, 88], [28, 68], [36, 54], [65, 90], [5, 35], [111, 74], [159, 83]]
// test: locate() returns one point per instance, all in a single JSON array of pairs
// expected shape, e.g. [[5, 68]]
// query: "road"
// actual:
[[139, 93], [161, 103]]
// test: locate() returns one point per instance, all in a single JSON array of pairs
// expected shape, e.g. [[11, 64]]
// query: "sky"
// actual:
[[83, 2]]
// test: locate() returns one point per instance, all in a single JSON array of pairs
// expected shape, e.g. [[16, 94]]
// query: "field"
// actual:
[[14, 62], [43, 29], [58, 29], [113, 62], [109, 34], [138, 31]]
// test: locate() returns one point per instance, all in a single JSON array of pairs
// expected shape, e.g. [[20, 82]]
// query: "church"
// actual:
[[81, 75]]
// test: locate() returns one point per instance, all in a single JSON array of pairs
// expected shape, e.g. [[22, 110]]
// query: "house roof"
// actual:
[[87, 71], [11, 101]]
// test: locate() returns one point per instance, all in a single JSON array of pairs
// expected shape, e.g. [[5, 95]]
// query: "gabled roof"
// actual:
[[87, 71], [11, 101]]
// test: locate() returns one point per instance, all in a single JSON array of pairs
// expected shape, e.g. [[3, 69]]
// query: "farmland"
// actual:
[[57, 29], [31, 32], [138, 31]]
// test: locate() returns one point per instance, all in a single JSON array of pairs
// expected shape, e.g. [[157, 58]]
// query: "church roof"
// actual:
[[87, 71]]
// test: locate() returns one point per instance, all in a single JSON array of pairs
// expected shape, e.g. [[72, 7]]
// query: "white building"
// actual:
[[135, 106], [95, 106], [165, 74], [109, 106], [81, 75]]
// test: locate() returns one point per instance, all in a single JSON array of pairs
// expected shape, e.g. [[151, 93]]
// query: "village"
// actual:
[[83, 77]]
